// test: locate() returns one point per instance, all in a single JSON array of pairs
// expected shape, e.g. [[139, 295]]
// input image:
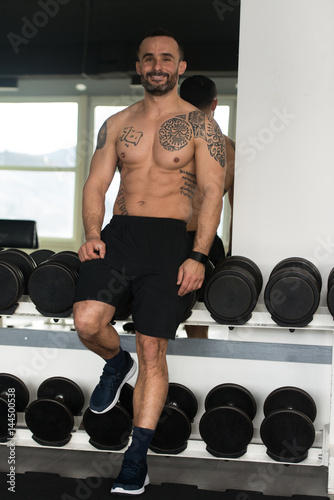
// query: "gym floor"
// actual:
[[217, 475]]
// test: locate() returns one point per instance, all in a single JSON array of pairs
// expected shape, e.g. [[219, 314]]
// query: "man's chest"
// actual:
[[167, 141]]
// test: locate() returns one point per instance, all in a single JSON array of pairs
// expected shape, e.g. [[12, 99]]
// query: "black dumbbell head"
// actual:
[[109, 430], [8, 383], [232, 395], [64, 391], [50, 422]]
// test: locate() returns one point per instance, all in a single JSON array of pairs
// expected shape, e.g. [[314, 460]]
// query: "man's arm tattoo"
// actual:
[[216, 143], [174, 134], [102, 136]]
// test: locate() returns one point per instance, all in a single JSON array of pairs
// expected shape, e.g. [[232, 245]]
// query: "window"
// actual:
[[38, 164], [222, 117]]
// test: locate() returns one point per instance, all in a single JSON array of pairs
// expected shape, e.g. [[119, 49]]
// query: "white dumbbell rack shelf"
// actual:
[[260, 339]]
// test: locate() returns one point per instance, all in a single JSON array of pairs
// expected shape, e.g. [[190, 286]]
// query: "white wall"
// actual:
[[284, 203]]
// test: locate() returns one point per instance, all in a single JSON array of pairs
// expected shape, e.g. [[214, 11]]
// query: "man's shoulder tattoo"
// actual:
[[102, 136], [216, 142], [197, 121]]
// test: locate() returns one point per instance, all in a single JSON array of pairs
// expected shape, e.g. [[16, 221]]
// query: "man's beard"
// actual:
[[159, 89]]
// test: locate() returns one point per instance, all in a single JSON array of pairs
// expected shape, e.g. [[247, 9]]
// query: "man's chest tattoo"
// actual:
[[174, 134], [130, 136]]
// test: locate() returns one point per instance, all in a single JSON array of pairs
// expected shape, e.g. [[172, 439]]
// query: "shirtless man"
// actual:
[[164, 146], [201, 91]]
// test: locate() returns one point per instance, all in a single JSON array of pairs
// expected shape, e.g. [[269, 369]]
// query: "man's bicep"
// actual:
[[210, 158], [103, 167], [215, 142]]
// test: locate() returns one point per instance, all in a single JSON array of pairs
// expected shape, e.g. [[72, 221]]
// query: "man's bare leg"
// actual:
[[151, 388], [149, 398], [92, 323]]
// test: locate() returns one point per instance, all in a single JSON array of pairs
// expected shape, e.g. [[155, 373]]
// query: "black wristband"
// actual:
[[199, 257]]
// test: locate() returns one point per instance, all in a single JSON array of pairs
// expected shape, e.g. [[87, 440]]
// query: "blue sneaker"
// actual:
[[133, 476], [106, 393]]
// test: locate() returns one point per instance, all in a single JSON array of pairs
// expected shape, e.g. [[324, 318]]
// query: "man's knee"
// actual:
[[89, 318], [151, 349]]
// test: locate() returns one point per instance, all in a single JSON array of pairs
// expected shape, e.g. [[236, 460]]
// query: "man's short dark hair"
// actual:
[[163, 32], [199, 90]]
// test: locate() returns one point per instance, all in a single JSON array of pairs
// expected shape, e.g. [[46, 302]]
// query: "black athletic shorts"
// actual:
[[217, 251], [141, 263]]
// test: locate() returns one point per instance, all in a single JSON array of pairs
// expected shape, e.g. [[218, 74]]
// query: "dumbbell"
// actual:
[[226, 426], [287, 429], [52, 284], [232, 292], [111, 430], [174, 426], [14, 397], [330, 292], [41, 255], [292, 293], [16, 267], [12, 287], [50, 416], [22, 260], [67, 257]]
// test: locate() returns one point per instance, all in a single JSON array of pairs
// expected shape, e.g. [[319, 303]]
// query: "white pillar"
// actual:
[[284, 187]]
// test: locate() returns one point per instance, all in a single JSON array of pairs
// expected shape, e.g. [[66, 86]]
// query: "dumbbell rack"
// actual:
[[260, 342]]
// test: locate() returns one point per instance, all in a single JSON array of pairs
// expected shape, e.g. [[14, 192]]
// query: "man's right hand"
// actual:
[[92, 249]]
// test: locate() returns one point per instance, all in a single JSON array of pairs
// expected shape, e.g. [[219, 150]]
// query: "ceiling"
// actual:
[[99, 37]]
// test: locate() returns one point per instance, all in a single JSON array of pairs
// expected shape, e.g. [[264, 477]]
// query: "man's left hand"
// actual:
[[190, 276]]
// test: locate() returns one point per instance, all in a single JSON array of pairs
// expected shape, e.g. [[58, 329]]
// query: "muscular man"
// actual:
[[201, 91], [165, 146]]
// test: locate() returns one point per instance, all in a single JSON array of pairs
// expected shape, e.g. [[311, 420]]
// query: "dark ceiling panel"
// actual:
[[100, 36]]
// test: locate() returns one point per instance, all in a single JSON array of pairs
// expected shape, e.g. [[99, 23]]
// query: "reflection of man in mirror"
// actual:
[[163, 144], [201, 91]]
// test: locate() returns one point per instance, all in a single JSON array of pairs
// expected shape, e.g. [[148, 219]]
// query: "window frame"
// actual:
[[73, 243]]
